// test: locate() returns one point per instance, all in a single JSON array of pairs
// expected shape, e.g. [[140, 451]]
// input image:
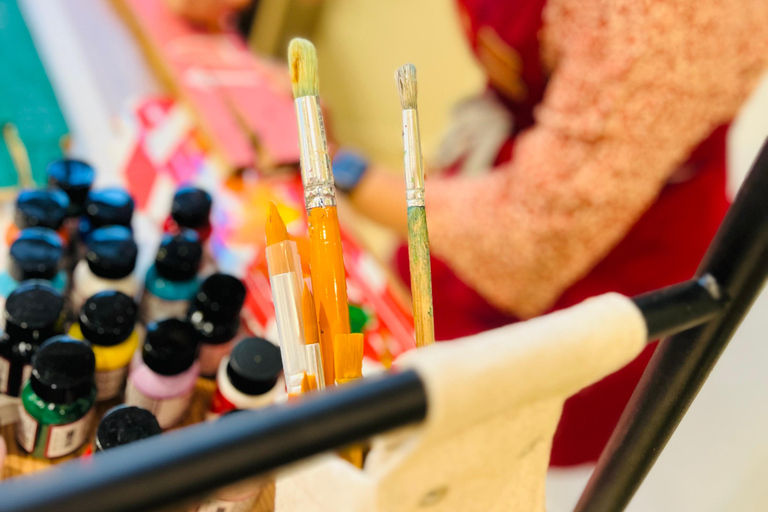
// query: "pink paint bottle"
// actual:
[[162, 377]]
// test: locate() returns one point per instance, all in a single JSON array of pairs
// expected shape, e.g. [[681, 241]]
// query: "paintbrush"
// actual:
[[326, 261], [314, 353], [418, 237], [285, 279], [348, 358], [19, 156]]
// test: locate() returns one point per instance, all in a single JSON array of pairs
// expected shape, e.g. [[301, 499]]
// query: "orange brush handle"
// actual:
[[329, 283]]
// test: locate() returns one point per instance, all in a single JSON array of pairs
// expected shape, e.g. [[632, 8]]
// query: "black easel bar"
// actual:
[[161, 470], [681, 306], [738, 260]]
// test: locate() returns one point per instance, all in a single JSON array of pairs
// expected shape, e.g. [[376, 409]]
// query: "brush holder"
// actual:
[[485, 444]]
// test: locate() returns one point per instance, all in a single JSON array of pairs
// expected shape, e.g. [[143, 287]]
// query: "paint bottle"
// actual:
[[106, 322], [124, 424], [172, 281], [109, 264], [162, 376], [191, 209], [74, 178], [36, 254], [39, 209], [57, 401], [215, 314], [106, 207], [248, 378], [33, 314]]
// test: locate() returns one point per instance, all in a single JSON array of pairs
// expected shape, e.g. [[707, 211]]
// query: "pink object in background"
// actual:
[[235, 96]]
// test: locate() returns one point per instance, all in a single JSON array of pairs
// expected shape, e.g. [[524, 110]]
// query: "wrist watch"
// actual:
[[348, 169]]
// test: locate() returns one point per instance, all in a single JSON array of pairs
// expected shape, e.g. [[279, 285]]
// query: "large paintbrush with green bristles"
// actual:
[[418, 238]]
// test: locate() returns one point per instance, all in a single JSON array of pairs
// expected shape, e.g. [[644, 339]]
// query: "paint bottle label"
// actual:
[[110, 383], [154, 309], [168, 411], [26, 373], [5, 371], [26, 430], [245, 505], [65, 439]]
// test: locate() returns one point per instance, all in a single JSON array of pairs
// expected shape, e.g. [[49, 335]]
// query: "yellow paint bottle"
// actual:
[[106, 322]]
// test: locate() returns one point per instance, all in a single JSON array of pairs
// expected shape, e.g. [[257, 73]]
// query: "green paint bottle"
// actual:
[[57, 401]]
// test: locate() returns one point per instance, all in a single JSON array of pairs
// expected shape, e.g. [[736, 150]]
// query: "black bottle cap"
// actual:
[[75, 178], [41, 208], [220, 296], [33, 312], [170, 347], [112, 252], [125, 424], [108, 318], [191, 207], [109, 207], [62, 370], [35, 254], [179, 256], [215, 311], [254, 366]]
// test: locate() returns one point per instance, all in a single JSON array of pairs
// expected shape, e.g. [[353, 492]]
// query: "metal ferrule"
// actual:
[[414, 163], [316, 171]]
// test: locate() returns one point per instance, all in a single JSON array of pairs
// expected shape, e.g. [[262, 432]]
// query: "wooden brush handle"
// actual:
[[329, 282], [421, 275]]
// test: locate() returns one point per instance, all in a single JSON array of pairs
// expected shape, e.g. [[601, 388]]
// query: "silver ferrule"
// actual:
[[414, 163], [316, 171]]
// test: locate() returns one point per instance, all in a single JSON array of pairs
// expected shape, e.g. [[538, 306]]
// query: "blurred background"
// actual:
[[99, 70]]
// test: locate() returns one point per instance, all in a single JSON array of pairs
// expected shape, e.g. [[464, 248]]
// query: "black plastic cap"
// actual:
[[35, 254], [62, 370], [33, 312], [213, 331], [41, 208], [109, 207], [170, 347], [112, 252], [179, 256], [108, 318], [220, 296], [124, 424], [191, 208], [254, 366], [75, 178]]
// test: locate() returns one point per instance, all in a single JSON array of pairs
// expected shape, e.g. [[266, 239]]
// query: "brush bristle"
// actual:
[[348, 356], [302, 59], [276, 231], [406, 86]]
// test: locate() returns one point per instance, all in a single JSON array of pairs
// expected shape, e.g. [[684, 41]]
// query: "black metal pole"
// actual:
[[738, 260], [164, 469], [681, 306]]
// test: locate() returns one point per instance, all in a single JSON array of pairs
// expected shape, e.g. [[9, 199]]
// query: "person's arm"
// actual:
[[380, 196], [637, 86]]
